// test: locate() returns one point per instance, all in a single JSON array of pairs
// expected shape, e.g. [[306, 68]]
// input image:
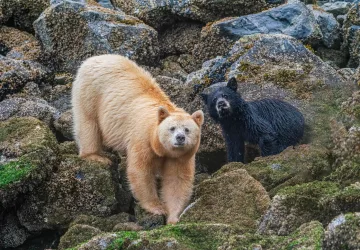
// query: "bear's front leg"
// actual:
[[141, 173], [178, 177], [235, 147]]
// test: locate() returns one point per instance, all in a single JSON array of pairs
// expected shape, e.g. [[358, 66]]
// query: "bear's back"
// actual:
[[285, 119]]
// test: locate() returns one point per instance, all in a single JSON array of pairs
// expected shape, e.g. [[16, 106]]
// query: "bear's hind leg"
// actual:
[[88, 138], [268, 145], [141, 173], [177, 186]]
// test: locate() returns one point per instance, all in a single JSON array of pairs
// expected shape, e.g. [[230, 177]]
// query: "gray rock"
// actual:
[[16, 73], [77, 234], [148, 220], [11, 232], [34, 107], [291, 19], [341, 19], [92, 30], [160, 13], [343, 232], [329, 27], [353, 42], [337, 8], [64, 124]]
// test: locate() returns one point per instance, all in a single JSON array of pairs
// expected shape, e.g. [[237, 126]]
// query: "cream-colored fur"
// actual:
[[119, 105]]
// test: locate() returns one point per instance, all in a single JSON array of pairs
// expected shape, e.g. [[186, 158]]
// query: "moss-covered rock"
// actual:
[[64, 124], [28, 151], [76, 235], [293, 166], [321, 201], [343, 232], [346, 152], [148, 220], [105, 224], [233, 198], [92, 30], [77, 187]]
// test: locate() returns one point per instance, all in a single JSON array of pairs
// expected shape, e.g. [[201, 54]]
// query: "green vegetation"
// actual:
[[14, 171]]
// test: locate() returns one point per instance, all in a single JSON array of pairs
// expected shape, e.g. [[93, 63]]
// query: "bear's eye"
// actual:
[[172, 129], [187, 130], [214, 100], [225, 96]]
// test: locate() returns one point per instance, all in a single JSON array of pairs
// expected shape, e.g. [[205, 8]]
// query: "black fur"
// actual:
[[272, 124]]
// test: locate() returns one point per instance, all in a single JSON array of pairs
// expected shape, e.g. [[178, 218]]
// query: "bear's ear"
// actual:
[[198, 117], [204, 97], [232, 84], [162, 113]]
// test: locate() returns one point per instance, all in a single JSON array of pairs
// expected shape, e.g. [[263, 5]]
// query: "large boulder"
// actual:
[[162, 13], [16, 73], [72, 31], [302, 164], [233, 198], [295, 20], [77, 187], [22, 13], [337, 8], [293, 206]]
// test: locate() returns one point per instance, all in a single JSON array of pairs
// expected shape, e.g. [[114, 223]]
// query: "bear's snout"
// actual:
[[180, 139]]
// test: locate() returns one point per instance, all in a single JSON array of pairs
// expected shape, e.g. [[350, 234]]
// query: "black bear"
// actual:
[[272, 124]]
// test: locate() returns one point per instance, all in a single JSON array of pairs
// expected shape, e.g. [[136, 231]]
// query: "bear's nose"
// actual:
[[221, 104], [180, 138]]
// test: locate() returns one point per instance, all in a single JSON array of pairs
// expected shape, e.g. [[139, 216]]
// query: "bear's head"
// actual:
[[224, 102], [179, 132]]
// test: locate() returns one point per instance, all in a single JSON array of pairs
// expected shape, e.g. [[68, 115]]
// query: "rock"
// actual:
[[180, 38], [104, 224], [293, 206], [64, 125], [171, 68], [233, 198], [59, 97], [343, 232], [329, 27], [34, 107], [76, 235], [92, 30], [188, 63], [68, 148], [127, 226], [347, 73], [337, 8], [18, 44], [22, 13], [341, 19], [303, 164], [346, 150], [351, 34], [308, 236], [282, 60], [16, 73], [158, 14], [291, 19], [181, 236], [77, 187], [148, 220], [11, 232], [27, 154]]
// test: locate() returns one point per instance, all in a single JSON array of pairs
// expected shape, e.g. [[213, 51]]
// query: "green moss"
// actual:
[[14, 171], [123, 237]]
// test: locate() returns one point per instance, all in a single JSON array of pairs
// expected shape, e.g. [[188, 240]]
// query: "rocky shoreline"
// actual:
[[307, 197]]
